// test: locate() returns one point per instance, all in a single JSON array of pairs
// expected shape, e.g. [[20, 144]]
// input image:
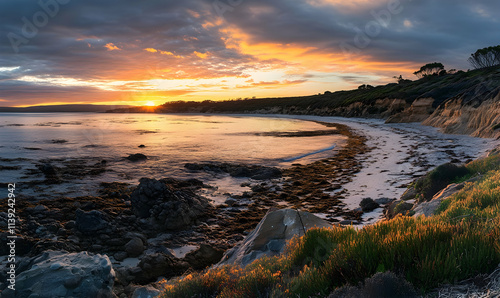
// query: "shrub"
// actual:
[[438, 179], [481, 166]]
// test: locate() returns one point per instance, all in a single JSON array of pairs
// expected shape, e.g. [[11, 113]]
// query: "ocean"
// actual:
[[29, 140]]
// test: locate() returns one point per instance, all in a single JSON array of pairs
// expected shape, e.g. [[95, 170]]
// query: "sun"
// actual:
[[150, 104]]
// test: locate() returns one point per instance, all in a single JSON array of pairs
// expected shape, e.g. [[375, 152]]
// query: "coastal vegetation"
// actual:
[[430, 69], [460, 241], [439, 87], [486, 57]]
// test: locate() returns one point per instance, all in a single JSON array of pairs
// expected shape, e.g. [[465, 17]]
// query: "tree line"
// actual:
[[486, 57]]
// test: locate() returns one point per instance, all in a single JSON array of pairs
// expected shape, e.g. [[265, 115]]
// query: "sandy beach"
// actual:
[[398, 153]]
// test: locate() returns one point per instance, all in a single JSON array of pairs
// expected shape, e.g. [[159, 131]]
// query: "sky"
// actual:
[[145, 52]]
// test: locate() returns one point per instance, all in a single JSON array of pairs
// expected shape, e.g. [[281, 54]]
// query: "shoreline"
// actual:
[[396, 155], [374, 154]]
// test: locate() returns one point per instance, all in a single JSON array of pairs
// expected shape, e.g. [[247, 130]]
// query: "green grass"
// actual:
[[459, 242]]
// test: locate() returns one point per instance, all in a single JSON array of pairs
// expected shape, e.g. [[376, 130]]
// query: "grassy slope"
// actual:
[[460, 241], [438, 87]]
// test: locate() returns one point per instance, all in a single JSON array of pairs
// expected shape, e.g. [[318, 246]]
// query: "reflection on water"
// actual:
[[169, 142]]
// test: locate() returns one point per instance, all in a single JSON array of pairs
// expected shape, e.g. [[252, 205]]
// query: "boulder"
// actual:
[[368, 204], [63, 274], [429, 208], [169, 208], [146, 292], [270, 236], [134, 247], [157, 265], [397, 207], [90, 222], [204, 257]]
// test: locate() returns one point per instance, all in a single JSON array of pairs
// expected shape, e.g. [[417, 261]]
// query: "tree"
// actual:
[[365, 87], [486, 57], [429, 70]]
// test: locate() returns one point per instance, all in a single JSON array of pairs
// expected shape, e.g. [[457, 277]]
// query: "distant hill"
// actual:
[[70, 108]]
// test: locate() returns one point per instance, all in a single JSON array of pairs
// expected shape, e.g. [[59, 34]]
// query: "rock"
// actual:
[[410, 193], [90, 222], [429, 208], [385, 284], [170, 209], [71, 224], [145, 292], [368, 204], [383, 201], [40, 208], [349, 222], [155, 265], [48, 170], [204, 257], [230, 202], [134, 247], [120, 256], [397, 207], [266, 174], [270, 236], [237, 170], [137, 157], [142, 146], [62, 274]]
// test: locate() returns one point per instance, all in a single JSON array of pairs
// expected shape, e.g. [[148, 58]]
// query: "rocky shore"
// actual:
[[135, 235], [162, 227]]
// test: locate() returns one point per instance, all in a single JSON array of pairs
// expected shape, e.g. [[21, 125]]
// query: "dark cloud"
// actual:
[[420, 31]]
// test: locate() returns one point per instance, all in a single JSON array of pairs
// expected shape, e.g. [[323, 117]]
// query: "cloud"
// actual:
[[111, 47], [101, 42], [270, 84]]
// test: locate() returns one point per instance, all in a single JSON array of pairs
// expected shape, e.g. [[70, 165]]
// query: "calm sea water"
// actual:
[[170, 140]]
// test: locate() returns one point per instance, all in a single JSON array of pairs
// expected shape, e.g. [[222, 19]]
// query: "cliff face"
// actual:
[[381, 108], [419, 110], [479, 117]]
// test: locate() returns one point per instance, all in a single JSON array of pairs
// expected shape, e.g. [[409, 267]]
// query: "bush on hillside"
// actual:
[[436, 180]]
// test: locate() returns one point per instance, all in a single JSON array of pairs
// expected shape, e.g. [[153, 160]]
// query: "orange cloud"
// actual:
[[201, 55], [111, 47], [270, 84]]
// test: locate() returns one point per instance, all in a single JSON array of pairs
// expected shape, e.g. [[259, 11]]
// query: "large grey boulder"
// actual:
[[429, 208], [61, 274], [171, 209], [270, 236]]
